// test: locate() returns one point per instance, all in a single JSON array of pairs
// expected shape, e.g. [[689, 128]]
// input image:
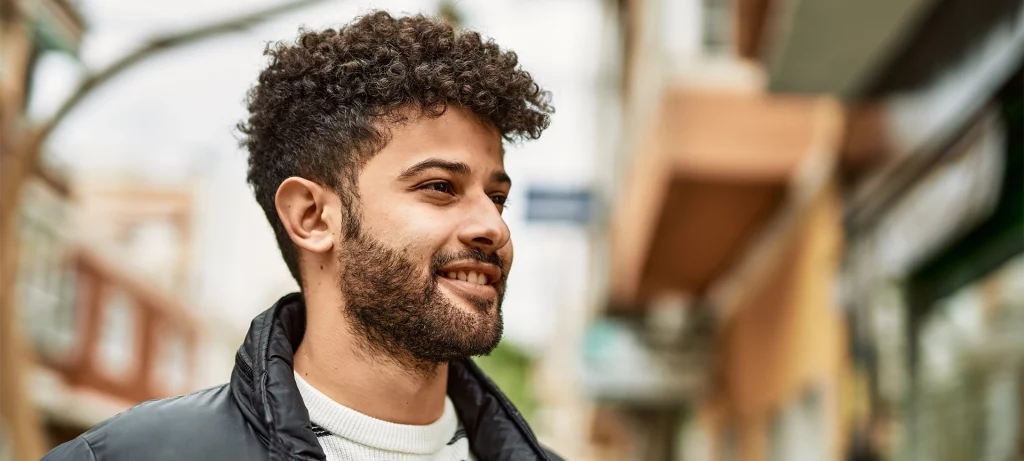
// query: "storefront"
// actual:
[[966, 312], [935, 290]]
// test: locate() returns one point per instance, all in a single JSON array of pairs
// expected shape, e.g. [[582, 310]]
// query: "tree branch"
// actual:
[[155, 46]]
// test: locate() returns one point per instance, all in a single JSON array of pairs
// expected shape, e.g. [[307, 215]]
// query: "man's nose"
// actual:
[[483, 227]]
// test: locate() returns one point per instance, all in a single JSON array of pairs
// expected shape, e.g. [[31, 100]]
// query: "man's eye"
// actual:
[[501, 201], [442, 187]]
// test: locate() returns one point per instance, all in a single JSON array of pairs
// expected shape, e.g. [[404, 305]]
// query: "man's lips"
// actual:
[[467, 289], [473, 272], [471, 278]]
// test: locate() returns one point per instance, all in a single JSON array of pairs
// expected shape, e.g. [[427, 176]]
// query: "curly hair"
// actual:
[[322, 106]]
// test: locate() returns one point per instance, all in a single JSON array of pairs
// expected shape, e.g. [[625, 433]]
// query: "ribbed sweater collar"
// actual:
[[375, 433]]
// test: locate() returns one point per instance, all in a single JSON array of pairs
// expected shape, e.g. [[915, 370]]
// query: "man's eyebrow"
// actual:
[[458, 168], [501, 177]]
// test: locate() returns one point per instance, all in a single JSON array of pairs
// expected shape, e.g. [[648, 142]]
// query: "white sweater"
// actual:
[[346, 434]]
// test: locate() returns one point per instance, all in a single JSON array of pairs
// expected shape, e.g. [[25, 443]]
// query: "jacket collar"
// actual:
[[263, 385]]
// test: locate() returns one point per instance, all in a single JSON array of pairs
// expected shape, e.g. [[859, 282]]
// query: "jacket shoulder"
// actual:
[[74, 450], [201, 425]]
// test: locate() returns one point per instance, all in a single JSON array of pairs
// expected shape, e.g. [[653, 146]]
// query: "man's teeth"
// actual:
[[472, 277]]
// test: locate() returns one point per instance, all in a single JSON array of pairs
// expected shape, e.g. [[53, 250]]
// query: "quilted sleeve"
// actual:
[[74, 450]]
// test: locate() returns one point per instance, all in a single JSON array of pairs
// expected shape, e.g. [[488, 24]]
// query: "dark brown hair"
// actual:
[[322, 106]]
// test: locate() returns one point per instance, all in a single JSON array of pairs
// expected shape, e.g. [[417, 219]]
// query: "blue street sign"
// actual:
[[575, 206]]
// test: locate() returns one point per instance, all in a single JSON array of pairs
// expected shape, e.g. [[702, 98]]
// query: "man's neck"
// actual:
[[334, 361]]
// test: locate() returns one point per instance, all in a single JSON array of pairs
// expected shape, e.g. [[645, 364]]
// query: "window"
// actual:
[[117, 334], [968, 404], [691, 28], [717, 27], [171, 370], [155, 247], [45, 286]]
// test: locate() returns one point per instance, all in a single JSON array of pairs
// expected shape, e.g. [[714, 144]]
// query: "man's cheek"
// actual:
[[506, 254]]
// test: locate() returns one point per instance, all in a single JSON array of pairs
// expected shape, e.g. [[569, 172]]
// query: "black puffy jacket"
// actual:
[[259, 415]]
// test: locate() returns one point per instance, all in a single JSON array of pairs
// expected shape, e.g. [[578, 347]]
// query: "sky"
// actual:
[[171, 121]]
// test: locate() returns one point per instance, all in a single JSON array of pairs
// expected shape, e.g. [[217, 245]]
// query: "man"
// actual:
[[376, 152]]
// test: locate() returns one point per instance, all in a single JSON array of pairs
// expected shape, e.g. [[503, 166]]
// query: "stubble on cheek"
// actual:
[[399, 310]]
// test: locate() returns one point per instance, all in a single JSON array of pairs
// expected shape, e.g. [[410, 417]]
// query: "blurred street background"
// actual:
[[757, 230]]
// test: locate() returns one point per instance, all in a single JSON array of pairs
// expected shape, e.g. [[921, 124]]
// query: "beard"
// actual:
[[399, 312]]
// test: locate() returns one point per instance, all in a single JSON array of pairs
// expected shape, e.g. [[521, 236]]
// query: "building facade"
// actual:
[[819, 198], [91, 323]]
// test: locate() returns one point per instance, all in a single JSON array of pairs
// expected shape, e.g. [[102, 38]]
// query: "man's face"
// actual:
[[425, 275]]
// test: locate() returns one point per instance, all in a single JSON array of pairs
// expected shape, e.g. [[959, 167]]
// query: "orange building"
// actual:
[[87, 332], [27, 29], [103, 335], [762, 143]]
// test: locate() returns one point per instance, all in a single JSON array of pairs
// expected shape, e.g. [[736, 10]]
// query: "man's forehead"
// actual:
[[456, 136]]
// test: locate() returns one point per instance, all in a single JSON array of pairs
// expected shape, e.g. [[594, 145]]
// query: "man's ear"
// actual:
[[307, 211]]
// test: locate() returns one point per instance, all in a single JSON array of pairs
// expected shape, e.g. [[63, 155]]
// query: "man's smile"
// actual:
[[471, 279]]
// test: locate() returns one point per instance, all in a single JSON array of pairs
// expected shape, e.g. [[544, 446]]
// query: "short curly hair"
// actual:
[[322, 106]]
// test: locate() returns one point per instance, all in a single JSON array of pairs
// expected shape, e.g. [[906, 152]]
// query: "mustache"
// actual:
[[476, 254]]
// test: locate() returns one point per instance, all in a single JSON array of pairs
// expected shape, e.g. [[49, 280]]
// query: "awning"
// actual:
[[712, 170]]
